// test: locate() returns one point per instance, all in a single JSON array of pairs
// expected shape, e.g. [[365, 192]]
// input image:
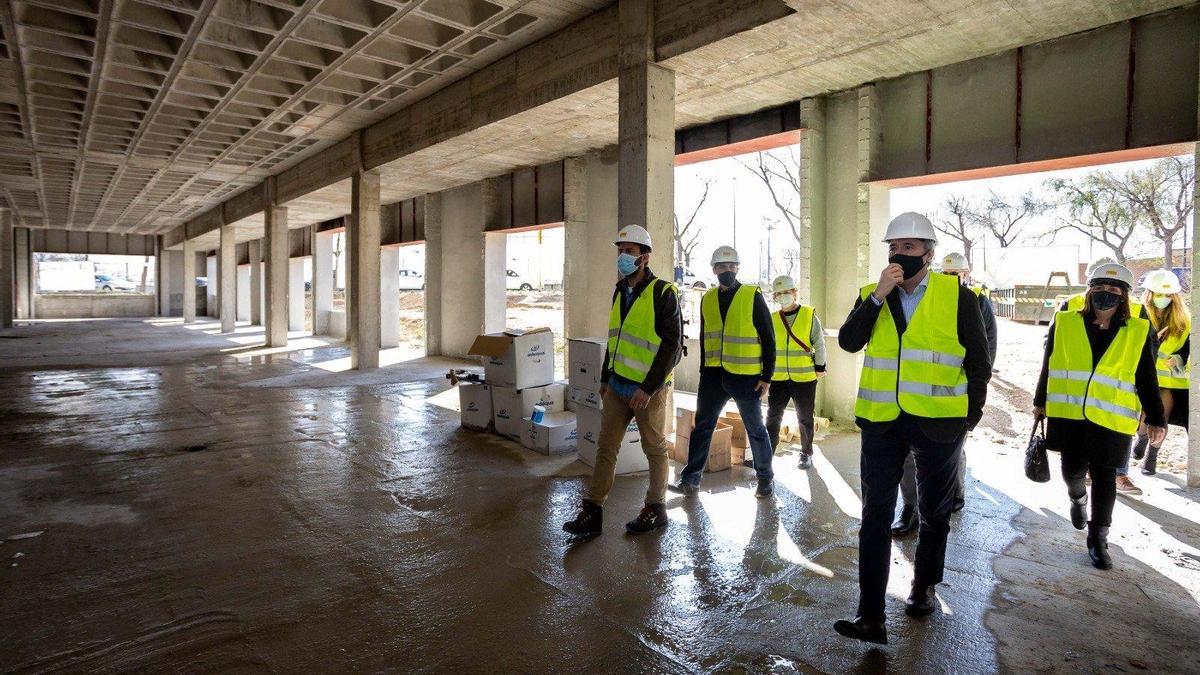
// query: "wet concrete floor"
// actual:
[[176, 500]]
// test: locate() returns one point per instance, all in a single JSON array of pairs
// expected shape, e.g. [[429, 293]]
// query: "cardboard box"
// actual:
[[556, 434], [510, 407], [720, 450], [585, 362], [475, 404], [630, 458], [584, 398], [684, 421], [527, 433], [739, 429], [516, 359]]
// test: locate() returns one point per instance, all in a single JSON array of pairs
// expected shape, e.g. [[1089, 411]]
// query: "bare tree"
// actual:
[[1093, 206], [779, 171], [687, 233], [1007, 220], [959, 219], [1161, 195]]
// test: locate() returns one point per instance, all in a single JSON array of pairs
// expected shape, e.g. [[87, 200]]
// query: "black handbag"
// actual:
[[1037, 464]]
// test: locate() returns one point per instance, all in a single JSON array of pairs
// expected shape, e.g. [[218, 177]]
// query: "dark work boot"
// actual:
[[862, 629], [805, 460], [1139, 446], [682, 487], [920, 601], [1097, 542], [1079, 512], [907, 523], [1150, 465], [652, 517], [589, 522], [766, 488]]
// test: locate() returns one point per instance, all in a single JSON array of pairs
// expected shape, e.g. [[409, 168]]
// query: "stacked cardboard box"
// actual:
[[721, 451], [585, 363]]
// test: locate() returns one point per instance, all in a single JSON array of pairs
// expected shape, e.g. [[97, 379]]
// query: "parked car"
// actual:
[[108, 284], [689, 280], [201, 282], [514, 282], [411, 280]]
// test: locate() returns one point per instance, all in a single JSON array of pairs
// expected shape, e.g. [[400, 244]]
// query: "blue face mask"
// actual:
[[626, 264]]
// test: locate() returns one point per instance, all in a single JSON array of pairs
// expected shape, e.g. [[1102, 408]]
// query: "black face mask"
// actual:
[[1105, 300], [912, 264], [727, 278]]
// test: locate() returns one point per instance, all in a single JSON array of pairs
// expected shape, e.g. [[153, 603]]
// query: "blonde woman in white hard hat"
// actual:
[[1172, 324], [923, 386], [799, 363], [1098, 376]]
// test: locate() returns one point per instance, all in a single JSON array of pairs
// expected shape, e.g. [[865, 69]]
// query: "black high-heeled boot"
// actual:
[[1150, 464], [1139, 446], [1097, 542], [1079, 511]]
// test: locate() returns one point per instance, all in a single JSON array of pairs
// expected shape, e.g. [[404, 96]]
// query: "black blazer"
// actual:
[[977, 362]]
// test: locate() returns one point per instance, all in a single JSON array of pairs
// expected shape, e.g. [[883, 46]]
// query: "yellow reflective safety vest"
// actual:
[[731, 342], [980, 291], [921, 372], [794, 361], [1075, 304], [1166, 378], [633, 341], [1106, 395]]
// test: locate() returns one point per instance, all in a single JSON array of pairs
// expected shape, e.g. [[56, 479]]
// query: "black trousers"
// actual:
[[883, 455], [1075, 467], [801, 394]]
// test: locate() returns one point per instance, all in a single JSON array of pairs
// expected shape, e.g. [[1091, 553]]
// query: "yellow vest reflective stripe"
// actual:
[[732, 342], [922, 372], [1170, 346], [1106, 395], [793, 362], [633, 341], [1075, 304]]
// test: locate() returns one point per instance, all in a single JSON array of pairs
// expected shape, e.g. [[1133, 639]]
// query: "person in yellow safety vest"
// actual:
[[645, 342], [737, 361], [1075, 302], [799, 363], [1172, 327], [923, 386], [1098, 375], [954, 263]]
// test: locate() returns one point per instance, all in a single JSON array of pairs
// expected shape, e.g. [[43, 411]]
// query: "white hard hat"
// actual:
[[783, 283], [955, 262], [633, 234], [910, 225], [1112, 272], [1162, 281], [725, 254]]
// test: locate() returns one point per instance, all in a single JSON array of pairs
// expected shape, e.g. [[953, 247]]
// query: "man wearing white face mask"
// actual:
[[645, 341]]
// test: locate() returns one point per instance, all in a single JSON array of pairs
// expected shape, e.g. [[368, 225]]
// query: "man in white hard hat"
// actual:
[[645, 342], [738, 360], [954, 263], [799, 363], [923, 386]]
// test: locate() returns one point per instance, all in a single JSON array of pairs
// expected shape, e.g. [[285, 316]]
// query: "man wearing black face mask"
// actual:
[[923, 385]]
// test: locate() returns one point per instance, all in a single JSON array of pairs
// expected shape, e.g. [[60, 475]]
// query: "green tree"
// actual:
[[1095, 207]]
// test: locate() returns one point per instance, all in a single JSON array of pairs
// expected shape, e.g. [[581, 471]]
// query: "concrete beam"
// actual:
[[276, 288], [189, 281], [7, 273], [227, 267], [364, 231], [256, 282]]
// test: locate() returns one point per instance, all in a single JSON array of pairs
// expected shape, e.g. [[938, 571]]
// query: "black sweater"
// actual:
[[762, 325], [668, 323], [856, 332]]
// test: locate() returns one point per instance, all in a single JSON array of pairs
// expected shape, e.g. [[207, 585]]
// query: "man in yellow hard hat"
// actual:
[[923, 386]]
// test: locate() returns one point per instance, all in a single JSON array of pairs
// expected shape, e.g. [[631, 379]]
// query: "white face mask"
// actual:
[[785, 299], [1162, 301]]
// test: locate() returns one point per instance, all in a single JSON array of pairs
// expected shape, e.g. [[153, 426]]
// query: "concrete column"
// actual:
[[276, 289], [364, 270], [590, 206], [813, 167], [170, 283], [212, 272], [495, 293], [23, 249], [433, 274], [389, 297], [243, 293], [1193, 463], [322, 281], [7, 273], [189, 281], [255, 282], [227, 268], [460, 271], [295, 294]]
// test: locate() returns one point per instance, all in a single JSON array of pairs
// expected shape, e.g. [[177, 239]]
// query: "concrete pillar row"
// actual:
[[227, 288], [7, 274], [189, 281], [364, 254], [276, 288], [23, 250], [255, 282]]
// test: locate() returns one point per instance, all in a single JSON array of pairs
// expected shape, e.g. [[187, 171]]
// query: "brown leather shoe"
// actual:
[[1126, 486]]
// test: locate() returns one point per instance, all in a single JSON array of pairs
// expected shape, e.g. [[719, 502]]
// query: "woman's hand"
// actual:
[[1157, 435]]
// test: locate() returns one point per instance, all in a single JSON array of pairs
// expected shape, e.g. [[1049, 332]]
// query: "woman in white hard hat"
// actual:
[[1098, 375], [1172, 323], [799, 363]]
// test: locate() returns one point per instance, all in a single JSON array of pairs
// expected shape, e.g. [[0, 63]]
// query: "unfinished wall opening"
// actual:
[[81, 285], [533, 284]]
